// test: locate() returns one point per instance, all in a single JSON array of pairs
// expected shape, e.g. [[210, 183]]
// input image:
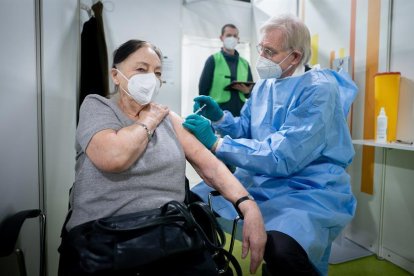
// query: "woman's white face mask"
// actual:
[[143, 88], [267, 69]]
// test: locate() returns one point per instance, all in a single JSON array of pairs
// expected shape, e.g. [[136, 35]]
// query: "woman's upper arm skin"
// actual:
[[98, 149], [113, 151], [211, 169], [195, 152]]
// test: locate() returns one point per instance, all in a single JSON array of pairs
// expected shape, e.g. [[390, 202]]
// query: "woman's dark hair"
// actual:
[[130, 47]]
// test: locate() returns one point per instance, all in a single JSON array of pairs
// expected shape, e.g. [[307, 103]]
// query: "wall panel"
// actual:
[[19, 126]]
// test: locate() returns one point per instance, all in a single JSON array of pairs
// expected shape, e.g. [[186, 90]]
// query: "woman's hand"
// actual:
[[153, 114], [254, 234]]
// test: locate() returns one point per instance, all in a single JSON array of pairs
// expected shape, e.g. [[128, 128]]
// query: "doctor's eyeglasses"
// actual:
[[267, 52]]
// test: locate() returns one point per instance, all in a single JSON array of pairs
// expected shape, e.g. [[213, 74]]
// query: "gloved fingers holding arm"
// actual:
[[211, 110], [202, 130]]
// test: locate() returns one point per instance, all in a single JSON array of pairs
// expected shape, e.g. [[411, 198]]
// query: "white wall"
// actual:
[[60, 51], [263, 9], [39, 87], [402, 60], [205, 18], [157, 21], [333, 34], [19, 126]]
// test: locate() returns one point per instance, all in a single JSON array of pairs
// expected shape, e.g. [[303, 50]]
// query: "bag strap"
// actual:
[[182, 215], [232, 260], [145, 224], [187, 191], [184, 211], [212, 243], [215, 244]]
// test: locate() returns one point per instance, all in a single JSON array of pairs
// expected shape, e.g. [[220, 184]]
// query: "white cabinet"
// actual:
[[384, 222], [398, 205]]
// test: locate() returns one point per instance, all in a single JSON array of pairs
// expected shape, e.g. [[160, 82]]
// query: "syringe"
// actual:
[[201, 108]]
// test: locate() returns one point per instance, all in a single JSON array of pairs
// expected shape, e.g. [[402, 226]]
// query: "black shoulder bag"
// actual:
[[140, 241]]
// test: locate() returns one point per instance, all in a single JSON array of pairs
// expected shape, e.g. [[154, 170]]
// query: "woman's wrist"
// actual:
[[147, 129], [238, 205]]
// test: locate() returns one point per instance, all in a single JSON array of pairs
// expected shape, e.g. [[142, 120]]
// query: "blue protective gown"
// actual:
[[291, 146]]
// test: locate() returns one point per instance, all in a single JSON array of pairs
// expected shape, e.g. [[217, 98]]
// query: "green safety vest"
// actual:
[[221, 71]]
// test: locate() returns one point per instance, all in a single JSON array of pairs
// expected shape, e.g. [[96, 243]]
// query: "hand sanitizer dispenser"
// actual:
[[382, 122]]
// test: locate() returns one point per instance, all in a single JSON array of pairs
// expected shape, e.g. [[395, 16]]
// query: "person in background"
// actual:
[[224, 67], [131, 156], [291, 146]]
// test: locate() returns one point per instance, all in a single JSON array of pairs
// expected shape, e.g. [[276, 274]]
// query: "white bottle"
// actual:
[[382, 124]]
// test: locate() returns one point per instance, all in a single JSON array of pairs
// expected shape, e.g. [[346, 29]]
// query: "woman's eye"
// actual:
[[158, 74], [141, 70]]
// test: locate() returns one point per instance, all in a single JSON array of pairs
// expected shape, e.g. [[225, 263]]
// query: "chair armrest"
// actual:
[[235, 220]]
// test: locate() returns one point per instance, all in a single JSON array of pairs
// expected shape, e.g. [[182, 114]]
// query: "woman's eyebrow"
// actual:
[[141, 63]]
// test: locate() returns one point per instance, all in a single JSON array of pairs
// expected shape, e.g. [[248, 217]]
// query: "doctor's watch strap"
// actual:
[[239, 201], [149, 133]]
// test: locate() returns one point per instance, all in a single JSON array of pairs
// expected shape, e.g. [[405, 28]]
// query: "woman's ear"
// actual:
[[114, 75]]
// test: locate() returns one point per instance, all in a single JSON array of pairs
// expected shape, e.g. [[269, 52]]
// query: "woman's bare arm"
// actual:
[[216, 174], [116, 151]]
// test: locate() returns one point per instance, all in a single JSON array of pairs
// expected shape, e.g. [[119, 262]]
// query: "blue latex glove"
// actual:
[[212, 110], [201, 128]]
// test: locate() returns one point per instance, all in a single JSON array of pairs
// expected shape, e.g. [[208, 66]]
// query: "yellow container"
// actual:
[[387, 90]]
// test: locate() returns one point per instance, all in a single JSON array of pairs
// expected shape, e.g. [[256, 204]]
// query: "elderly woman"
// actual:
[[131, 154]]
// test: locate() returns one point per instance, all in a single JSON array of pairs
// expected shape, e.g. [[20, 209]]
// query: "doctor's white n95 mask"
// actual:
[[267, 69], [230, 42], [143, 88]]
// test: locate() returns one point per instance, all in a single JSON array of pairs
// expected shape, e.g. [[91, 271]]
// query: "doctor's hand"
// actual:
[[211, 111], [202, 130]]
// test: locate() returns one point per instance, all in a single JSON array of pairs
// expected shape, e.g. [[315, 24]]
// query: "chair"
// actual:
[[9, 232], [234, 224], [233, 230]]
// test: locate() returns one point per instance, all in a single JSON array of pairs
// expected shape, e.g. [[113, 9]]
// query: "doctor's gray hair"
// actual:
[[296, 34]]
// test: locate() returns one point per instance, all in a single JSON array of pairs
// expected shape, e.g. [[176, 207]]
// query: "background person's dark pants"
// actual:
[[285, 256]]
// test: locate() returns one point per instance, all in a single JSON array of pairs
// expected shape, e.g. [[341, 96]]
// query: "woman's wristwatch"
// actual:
[[240, 200]]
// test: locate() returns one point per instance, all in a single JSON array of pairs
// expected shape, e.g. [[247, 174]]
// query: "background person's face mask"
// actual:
[[230, 42], [267, 69], [143, 88]]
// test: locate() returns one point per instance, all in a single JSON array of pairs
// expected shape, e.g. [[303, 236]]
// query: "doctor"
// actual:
[[291, 145]]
